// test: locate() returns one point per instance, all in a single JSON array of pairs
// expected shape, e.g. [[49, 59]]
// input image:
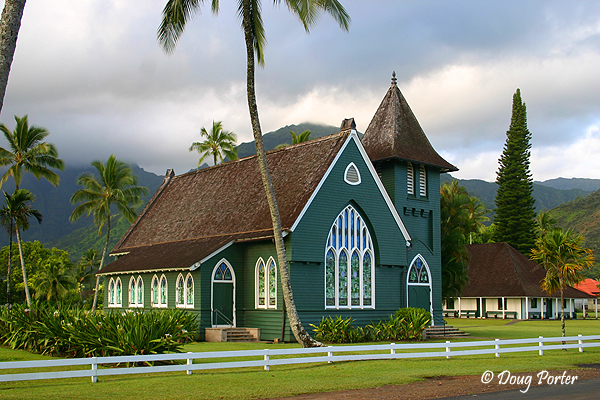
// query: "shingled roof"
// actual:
[[498, 270], [194, 214], [394, 132]]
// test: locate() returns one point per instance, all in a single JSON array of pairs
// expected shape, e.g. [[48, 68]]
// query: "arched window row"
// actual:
[[115, 292], [266, 283], [349, 263], [136, 292], [185, 291], [159, 291]]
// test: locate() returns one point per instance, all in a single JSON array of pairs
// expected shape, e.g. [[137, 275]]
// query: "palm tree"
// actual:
[[9, 29], [18, 208], [562, 256], [28, 151], [86, 268], [116, 185], [7, 221], [545, 223], [175, 16], [53, 280], [219, 143], [297, 138]]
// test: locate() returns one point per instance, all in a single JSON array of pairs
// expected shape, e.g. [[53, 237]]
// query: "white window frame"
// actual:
[[132, 293], [267, 279], [184, 288], [118, 293], [157, 283], [189, 304], [410, 179], [111, 292], [362, 244], [429, 284], [422, 181], [348, 181], [139, 288]]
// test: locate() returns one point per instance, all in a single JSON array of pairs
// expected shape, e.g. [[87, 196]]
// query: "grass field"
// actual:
[[290, 380]]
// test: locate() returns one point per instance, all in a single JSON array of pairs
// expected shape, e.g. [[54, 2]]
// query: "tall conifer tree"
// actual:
[[515, 212]]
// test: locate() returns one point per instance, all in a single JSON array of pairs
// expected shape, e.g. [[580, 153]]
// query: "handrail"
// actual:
[[262, 358], [217, 312]]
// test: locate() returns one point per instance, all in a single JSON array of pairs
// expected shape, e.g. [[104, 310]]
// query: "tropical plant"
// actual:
[[515, 211], [115, 185], [9, 30], [7, 221], [74, 332], [176, 14], [53, 280], [86, 267], [28, 151], [297, 138], [461, 216], [218, 142], [544, 223], [562, 256], [18, 208]]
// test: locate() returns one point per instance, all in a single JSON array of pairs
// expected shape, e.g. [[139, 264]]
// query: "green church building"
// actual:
[[361, 221]]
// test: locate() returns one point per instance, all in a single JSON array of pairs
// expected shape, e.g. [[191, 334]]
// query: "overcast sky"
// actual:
[[93, 74]]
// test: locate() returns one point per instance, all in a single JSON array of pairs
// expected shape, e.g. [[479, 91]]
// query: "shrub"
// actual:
[[79, 333]]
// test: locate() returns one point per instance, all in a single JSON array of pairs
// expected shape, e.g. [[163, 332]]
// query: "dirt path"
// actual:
[[437, 387]]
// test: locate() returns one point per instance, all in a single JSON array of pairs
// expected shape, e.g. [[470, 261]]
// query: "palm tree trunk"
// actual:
[[299, 332], [9, 30], [25, 282], [95, 303], [8, 268]]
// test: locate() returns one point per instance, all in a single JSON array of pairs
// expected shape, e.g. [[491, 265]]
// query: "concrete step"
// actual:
[[439, 332]]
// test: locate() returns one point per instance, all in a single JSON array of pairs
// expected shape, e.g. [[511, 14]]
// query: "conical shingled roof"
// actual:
[[394, 132]]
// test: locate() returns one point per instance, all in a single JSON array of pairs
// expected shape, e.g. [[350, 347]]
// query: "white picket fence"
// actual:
[[267, 357]]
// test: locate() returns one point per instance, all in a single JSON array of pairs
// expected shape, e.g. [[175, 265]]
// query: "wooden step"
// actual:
[[439, 332]]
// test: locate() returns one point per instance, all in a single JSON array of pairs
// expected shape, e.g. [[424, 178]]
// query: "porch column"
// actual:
[[459, 308], [526, 307], [556, 301], [596, 301], [571, 308], [503, 308], [481, 314]]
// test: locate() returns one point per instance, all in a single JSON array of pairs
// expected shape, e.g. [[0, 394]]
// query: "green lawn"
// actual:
[[289, 380]]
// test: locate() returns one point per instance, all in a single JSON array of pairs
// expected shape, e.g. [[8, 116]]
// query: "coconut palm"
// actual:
[[176, 14], [86, 268], [563, 257], [28, 151], [7, 221], [53, 280], [9, 29], [115, 185], [218, 142], [297, 138], [18, 208]]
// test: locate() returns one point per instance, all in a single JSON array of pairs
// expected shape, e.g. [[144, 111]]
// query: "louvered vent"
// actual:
[[422, 181], [352, 176], [410, 179]]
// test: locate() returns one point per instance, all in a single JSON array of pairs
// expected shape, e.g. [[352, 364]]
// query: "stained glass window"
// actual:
[[262, 292], [163, 290], [355, 279], [180, 291], [118, 292], [349, 262], [272, 284], [140, 291], [189, 290], [330, 278], [154, 289], [418, 273], [132, 291], [111, 292]]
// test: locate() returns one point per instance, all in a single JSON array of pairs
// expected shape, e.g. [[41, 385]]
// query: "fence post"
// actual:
[[497, 346], [580, 343], [190, 361], [541, 352], [447, 349], [94, 369], [267, 358], [393, 350], [330, 355]]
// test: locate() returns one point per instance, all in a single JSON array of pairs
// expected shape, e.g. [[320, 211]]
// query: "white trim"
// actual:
[[353, 136], [352, 165], [212, 282], [422, 284], [267, 277], [211, 255], [185, 303]]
